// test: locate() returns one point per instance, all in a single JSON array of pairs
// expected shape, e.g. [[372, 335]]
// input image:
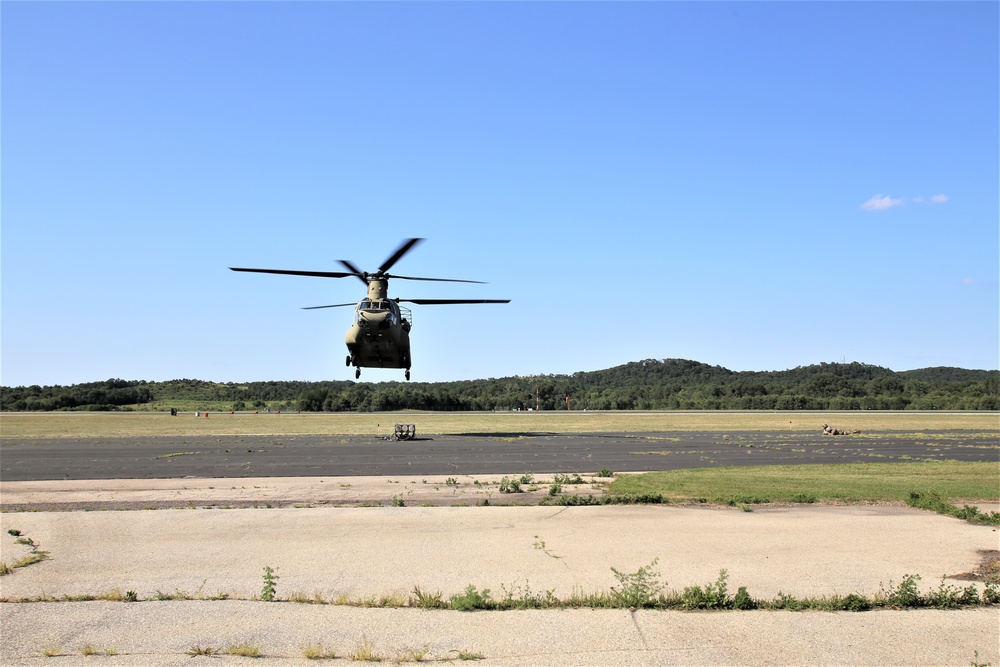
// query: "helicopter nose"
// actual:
[[374, 320]]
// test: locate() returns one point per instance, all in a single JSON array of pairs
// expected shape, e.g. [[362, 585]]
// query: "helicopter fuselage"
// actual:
[[380, 334]]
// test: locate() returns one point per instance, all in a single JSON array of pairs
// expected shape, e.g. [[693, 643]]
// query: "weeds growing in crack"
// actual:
[[934, 503], [638, 589], [270, 585], [33, 556], [318, 652]]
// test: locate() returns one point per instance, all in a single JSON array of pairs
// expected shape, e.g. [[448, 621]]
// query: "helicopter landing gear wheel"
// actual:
[[407, 374], [357, 373], [348, 363]]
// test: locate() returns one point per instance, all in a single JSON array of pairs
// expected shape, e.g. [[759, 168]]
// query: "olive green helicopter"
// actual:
[[380, 334]]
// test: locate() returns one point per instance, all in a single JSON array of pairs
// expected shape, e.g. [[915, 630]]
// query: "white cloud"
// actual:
[[880, 202]]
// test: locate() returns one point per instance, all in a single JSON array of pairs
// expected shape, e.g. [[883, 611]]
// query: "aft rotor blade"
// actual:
[[441, 302], [437, 280], [335, 305], [286, 272], [355, 270], [400, 251]]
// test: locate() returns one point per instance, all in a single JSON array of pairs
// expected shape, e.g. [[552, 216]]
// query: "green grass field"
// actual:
[[848, 483], [148, 424]]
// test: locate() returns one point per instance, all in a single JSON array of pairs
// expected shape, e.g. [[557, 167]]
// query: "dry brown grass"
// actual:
[[123, 425]]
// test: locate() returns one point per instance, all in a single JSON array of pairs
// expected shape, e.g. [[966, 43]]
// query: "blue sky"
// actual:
[[754, 185]]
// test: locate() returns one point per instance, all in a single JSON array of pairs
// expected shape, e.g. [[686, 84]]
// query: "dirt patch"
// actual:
[[988, 570]]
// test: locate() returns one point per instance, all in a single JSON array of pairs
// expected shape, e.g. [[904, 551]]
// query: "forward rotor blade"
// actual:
[[335, 305], [355, 270], [400, 251], [441, 302], [286, 272], [437, 280]]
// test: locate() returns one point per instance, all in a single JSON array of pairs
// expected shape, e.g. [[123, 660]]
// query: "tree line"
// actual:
[[667, 384]]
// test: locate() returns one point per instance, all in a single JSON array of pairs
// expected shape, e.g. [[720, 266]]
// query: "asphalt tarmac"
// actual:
[[466, 454]]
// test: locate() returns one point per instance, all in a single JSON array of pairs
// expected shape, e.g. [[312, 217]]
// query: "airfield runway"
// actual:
[[467, 454], [324, 551]]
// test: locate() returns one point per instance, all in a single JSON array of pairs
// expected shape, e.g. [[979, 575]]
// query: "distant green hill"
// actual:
[[651, 384], [947, 374]]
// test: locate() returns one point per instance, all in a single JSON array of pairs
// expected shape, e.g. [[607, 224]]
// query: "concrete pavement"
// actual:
[[358, 553]]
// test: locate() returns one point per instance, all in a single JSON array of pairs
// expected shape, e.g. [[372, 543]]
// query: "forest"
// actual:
[[651, 384]]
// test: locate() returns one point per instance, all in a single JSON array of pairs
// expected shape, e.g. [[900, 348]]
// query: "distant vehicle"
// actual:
[[380, 335]]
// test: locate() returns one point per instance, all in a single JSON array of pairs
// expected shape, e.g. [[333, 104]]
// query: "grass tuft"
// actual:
[[365, 652], [318, 652], [426, 600], [470, 655], [198, 649], [244, 650]]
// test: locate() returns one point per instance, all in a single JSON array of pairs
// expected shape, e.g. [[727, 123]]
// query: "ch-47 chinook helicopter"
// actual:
[[380, 335]]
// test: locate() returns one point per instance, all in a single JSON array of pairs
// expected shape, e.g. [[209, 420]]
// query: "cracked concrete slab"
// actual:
[[386, 551]]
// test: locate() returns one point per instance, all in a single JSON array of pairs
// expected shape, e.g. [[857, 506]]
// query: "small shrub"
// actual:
[[270, 585], [508, 485], [471, 599], [576, 499], [805, 498], [970, 596], [555, 489], [713, 596], [742, 600], [854, 602], [945, 597], [14, 531], [605, 472], [518, 598], [638, 589], [636, 499], [787, 602], [906, 594]]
